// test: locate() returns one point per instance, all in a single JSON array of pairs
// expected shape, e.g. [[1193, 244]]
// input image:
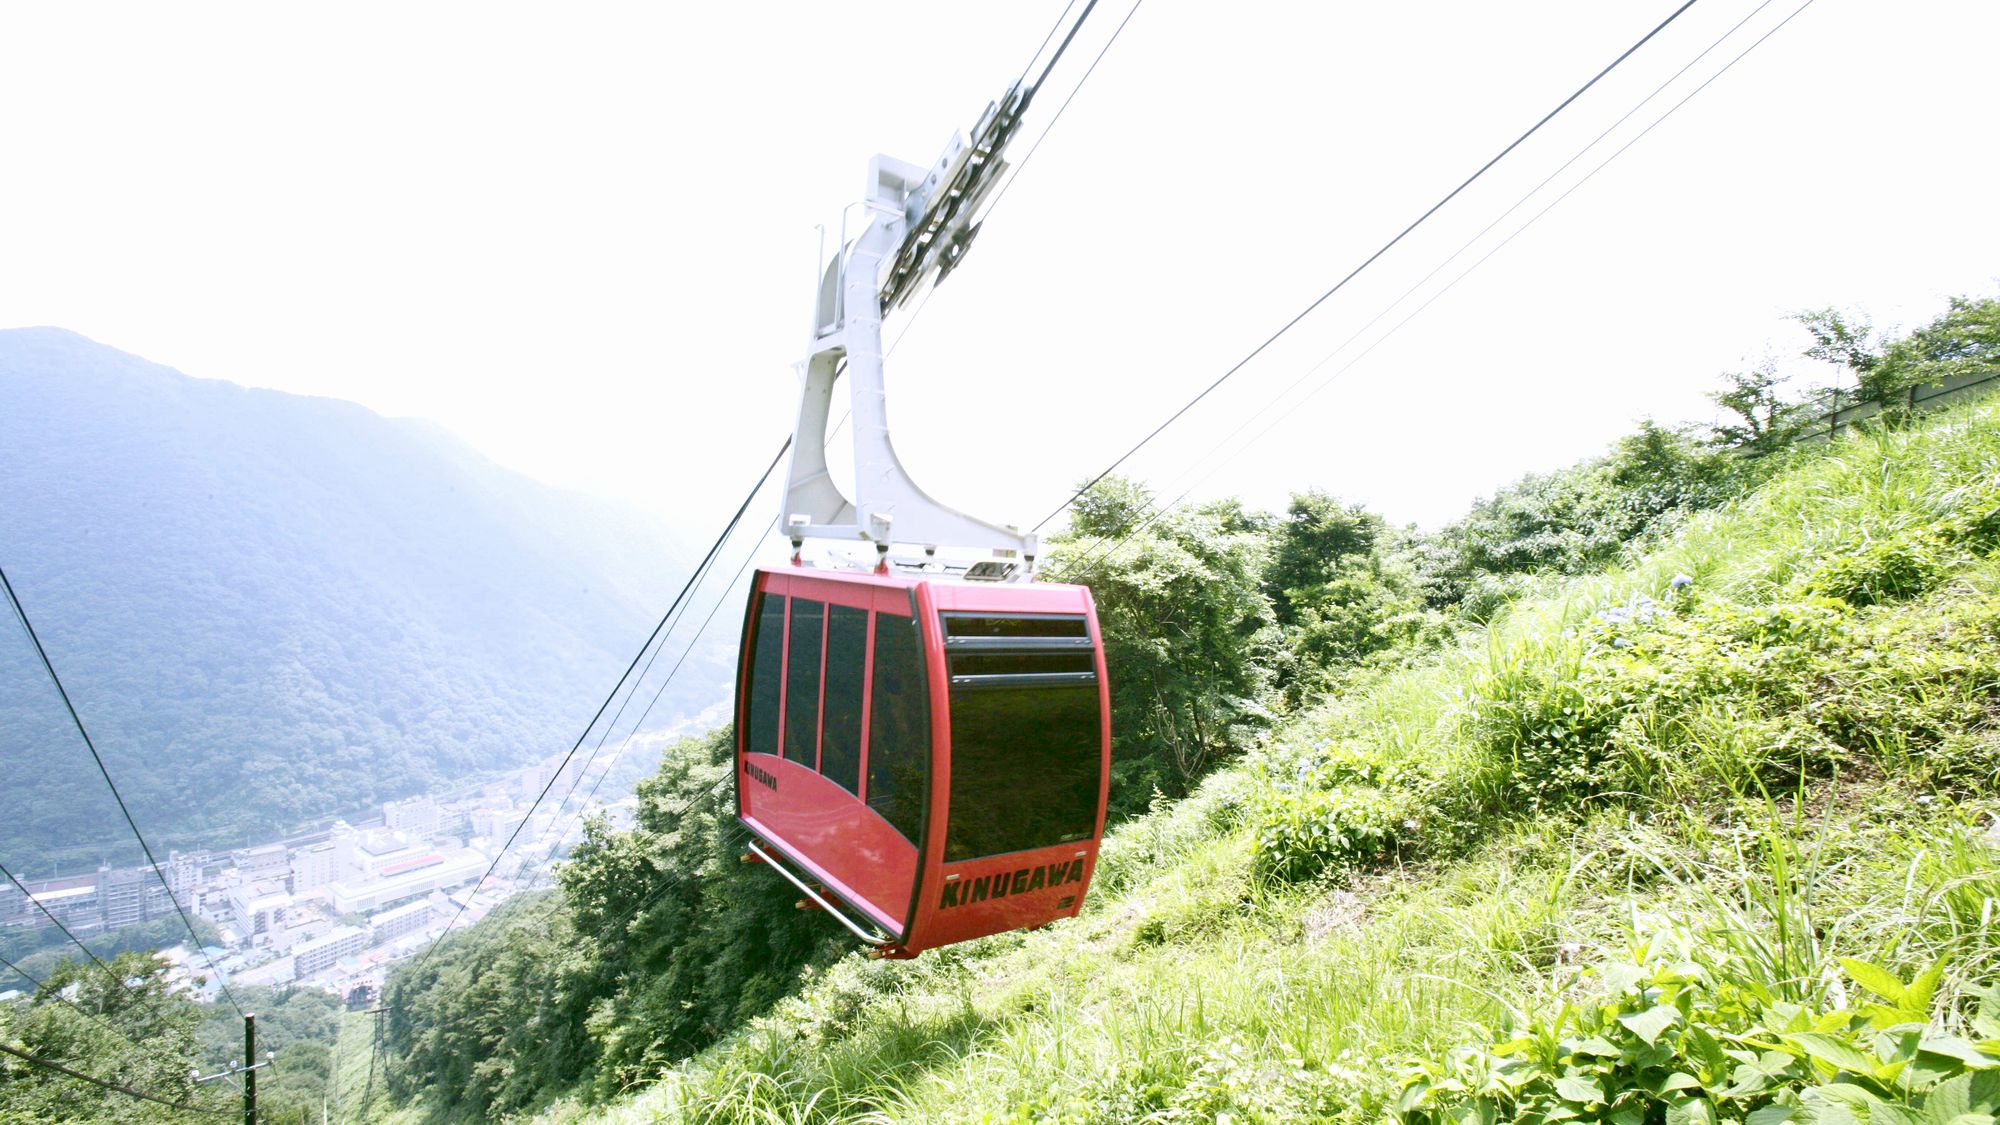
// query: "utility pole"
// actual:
[[247, 1069], [250, 1075]]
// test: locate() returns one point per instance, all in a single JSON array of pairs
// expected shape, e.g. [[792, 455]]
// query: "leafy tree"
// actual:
[[657, 942], [1189, 635], [1964, 340], [1576, 519], [133, 1031], [1317, 536], [1765, 420]]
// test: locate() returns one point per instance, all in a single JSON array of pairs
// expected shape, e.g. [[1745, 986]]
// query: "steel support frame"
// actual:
[[888, 507]]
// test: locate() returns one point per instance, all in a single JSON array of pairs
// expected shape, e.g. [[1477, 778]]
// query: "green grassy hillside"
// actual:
[[1702, 836]]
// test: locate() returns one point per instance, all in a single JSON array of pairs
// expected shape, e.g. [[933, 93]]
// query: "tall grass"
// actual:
[[1785, 760]]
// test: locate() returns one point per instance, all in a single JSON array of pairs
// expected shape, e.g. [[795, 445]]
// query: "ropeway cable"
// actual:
[[602, 707], [1370, 260], [1155, 510], [50, 668]]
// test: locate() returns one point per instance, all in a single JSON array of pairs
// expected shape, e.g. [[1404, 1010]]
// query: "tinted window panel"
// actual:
[[802, 683], [1020, 625], [899, 726], [1025, 769], [840, 730], [1021, 663], [767, 656]]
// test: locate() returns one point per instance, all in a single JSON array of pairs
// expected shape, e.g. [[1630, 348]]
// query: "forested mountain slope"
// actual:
[[270, 608]]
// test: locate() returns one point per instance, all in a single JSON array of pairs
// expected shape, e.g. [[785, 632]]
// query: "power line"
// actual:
[[1550, 206], [1008, 185], [1053, 28], [1370, 260], [74, 940], [701, 575], [685, 653], [1156, 510], [602, 707], [1057, 57], [50, 668], [1064, 107], [48, 1064], [43, 988]]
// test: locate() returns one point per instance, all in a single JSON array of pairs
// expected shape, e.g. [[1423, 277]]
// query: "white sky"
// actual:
[[582, 236]]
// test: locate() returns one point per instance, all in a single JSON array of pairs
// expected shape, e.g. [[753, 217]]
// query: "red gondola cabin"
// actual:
[[928, 759]]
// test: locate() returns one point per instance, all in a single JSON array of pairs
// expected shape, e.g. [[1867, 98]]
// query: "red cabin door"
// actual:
[[833, 736]]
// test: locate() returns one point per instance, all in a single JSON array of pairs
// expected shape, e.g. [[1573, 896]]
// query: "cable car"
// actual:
[[928, 760], [923, 742]]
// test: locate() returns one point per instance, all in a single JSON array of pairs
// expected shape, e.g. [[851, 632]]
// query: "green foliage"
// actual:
[[1962, 343], [1343, 593], [1304, 832], [1188, 633], [1578, 519], [658, 942], [1668, 1039], [1429, 850], [1866, 635], [1765, 420], [132, 1031], [39, 951], [333, 608]]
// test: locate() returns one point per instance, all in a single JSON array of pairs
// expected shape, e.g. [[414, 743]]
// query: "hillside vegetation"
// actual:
[[322, 606], [1705, 835], [1655, 789], [1658, 791]]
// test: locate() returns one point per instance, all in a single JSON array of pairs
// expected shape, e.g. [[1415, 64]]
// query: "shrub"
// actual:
[[1305, 830], [1670, 1040]]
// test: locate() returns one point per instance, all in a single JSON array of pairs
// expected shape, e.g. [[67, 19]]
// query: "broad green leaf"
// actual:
[[1633, 1113], [1875, 979], [1690, 1111], [1951, 1046], [1621, 978], [1678, 1080], [1704, 1048], [1917, 999], [1650, 1024], [1987, 1022], [1770, 1115], [1833, 1051], [1899, 1044], [1866, 1105], [1974, 1092], [1927, 1070], [1595, 1045], [1581, 1089]]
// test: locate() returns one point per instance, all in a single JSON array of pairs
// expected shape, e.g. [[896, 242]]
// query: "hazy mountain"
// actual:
[[270, 608]]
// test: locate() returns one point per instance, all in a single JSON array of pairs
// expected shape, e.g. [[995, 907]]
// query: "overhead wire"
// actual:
[[1008, 184], [693, 643], [602, 707], [1046, 39], [58, 923], [114, 1087], [50, 668], [1357, 270], [637, 682], [1154, 510], [42, 988]]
